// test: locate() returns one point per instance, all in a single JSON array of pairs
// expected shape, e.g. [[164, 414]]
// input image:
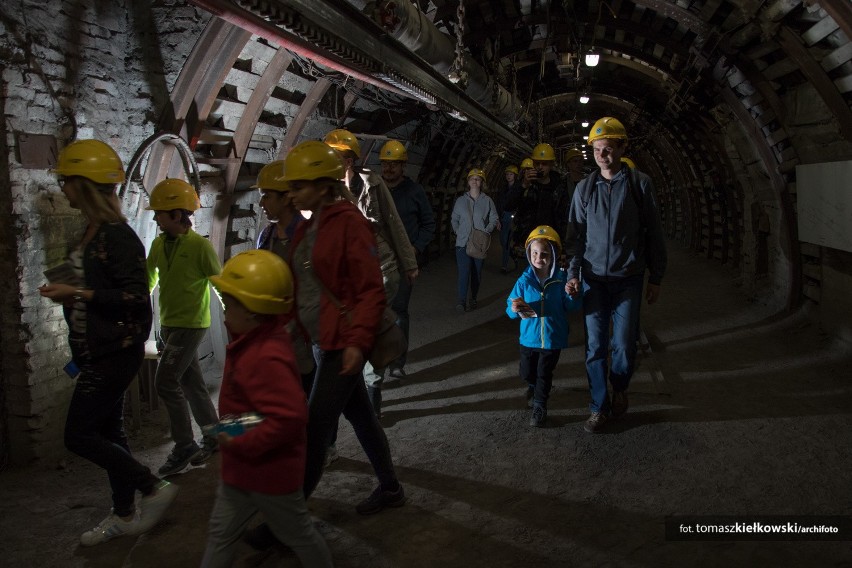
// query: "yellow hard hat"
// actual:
[[91, 159], [573, 153], [313, 160], [343, 140], [393, 151], [544, 232], [476, 172], [270, 177], [513, 169], [630, 163], [527, 163], [607, 127], [259, 279], [172, 194], [544, 153]]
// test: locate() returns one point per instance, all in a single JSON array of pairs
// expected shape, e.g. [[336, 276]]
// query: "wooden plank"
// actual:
[[841, 12], [819, 30], [837, 57], [819, 78]]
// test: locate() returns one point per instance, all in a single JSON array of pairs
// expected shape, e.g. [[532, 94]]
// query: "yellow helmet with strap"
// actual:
[[607, 127], [393, 151], [91, 159], [259, 279], [172, 194], [544, 232], [476, 172], [312, 160], [271, 177], [544, 152], [342, 140]]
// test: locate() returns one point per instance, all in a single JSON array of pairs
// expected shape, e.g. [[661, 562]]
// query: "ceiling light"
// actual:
[[584, 99], [585, 124], [585, 137], [592, 58]]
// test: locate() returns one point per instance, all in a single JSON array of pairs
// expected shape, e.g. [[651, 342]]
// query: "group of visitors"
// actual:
[[300, 334], [303, 309]]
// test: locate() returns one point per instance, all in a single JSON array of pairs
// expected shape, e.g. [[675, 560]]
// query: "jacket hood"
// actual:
[[554, 254]]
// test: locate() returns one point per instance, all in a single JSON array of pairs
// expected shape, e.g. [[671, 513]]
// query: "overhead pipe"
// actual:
[[405, 22], [246, 20]]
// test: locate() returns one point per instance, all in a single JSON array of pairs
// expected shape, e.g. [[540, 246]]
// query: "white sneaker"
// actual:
[[109, 528], [153, 507]]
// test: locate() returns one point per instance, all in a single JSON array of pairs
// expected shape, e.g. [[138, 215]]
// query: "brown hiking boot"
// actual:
[[619, 403], [595, 423]]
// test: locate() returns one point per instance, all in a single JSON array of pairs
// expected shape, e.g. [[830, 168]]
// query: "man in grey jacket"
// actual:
[[419, 222], [619, 236]]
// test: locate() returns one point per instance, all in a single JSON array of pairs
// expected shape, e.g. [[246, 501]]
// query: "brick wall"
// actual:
[[69, 70]]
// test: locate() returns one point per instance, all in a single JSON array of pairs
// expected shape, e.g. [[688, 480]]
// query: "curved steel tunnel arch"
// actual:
[[689, 164]]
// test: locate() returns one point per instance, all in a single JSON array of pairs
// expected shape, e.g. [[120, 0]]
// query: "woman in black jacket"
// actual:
[[104, 294]]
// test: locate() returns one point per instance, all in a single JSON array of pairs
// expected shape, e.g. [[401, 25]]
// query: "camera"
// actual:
[[234, 425]]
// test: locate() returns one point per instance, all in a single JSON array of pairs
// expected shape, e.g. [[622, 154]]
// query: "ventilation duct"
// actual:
[[408, 25]]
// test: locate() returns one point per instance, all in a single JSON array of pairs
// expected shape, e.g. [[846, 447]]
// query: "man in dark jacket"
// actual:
[[419, 222]]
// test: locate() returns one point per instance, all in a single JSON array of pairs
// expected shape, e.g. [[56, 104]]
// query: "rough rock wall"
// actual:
[[69, 70]]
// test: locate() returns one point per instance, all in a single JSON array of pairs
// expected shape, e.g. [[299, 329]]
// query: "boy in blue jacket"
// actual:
[[539, 299]]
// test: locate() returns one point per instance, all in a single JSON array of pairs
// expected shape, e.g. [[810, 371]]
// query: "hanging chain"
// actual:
[[457, 74], [498, 73], [540, 123]]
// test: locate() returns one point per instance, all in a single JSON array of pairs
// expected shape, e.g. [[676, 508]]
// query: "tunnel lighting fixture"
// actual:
[[584, 99], [585, 124], [457, 115], [585, 137], [592, 58]]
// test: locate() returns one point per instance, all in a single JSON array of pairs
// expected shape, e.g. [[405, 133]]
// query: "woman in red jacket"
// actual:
[[340, 299], [262, 432]]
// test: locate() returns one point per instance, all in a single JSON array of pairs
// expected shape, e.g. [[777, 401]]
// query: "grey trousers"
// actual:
[[181, 385], [287, 516]]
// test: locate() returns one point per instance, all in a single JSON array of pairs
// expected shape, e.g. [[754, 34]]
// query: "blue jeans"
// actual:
[[506, 238], [400, 306], [94, 428], [615, 301], [470, 273], [334, 394]]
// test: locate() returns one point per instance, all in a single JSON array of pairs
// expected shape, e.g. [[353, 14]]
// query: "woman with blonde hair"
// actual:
[[105, 300]]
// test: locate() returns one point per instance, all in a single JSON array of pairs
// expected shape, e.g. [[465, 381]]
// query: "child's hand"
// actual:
[[572, 287], [519, 306]]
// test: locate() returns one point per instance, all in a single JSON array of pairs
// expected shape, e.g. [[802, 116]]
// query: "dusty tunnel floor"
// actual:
[[745, 413]]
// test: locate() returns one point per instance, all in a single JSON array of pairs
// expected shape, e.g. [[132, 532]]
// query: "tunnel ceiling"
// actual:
[[661, 62]]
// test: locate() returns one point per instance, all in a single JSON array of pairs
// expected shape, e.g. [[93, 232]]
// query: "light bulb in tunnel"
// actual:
[[584, 99], [592, 58], [585, 124]]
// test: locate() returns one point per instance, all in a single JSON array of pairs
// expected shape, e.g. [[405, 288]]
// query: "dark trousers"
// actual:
[[334, 394], [400, 306], [536, 369], [94, 428]]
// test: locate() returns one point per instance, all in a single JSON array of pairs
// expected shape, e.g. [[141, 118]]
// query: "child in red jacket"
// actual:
[[263, 447]]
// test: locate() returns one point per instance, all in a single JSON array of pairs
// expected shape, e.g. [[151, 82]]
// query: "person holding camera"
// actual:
[[540, 197]]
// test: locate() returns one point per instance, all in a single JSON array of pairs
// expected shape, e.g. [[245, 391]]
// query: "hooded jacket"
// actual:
[[617, 236], [345, 259], [260, 375], [549, 329]]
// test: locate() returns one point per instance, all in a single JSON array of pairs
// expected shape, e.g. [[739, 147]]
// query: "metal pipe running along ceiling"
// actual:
[[339, 36]]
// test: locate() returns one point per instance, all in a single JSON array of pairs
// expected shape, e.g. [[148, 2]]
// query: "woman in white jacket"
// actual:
[[472, 211]]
